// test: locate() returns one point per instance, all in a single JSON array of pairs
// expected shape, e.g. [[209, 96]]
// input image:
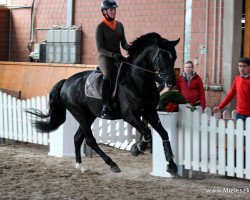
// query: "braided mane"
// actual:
[[145, 40]]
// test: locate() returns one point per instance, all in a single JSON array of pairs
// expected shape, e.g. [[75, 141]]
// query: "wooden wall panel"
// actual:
[[35, 79], [247, 29]]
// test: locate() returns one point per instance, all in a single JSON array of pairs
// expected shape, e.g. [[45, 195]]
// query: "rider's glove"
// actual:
[[119, 58]]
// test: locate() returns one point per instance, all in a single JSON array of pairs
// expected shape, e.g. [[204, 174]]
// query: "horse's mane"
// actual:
[[143, 41]]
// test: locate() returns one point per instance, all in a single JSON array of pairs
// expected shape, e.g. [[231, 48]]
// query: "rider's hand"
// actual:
[[119, 58], [216, 109]]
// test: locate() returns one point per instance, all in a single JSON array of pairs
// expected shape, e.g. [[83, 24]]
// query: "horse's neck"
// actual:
[[138, 79], [143, 81]]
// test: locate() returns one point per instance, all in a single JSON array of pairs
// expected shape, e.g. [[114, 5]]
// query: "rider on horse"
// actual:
[[109, 35]]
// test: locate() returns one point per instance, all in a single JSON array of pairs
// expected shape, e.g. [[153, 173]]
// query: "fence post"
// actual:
[[1, 118], [169, 122], [247, 167], [62, 140]]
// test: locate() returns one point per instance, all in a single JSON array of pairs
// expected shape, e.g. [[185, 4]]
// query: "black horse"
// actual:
[[136, 96]]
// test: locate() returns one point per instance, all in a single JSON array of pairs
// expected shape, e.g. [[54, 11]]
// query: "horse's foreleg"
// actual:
[[155, 122], [91, 141], [141, 126]]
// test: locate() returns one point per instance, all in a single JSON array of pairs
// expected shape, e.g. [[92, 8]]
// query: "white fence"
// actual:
[[16, 124], [208, 144], [203, 142], [115, 133]]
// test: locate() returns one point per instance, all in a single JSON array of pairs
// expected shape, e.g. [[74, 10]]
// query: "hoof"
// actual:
[[115, 169], [135, 151], [172, 169], [80, 167]]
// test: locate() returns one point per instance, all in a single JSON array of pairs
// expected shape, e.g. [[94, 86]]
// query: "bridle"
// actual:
[[156, 67]]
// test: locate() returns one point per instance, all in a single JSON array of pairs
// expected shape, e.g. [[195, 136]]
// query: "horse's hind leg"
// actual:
[[78, 140], [91, 141], [84, 131]]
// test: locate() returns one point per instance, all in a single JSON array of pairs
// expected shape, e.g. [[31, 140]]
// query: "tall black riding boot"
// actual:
[[106, 112]]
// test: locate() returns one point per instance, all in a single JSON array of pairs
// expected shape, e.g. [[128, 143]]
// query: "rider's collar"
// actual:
[[111, 24]]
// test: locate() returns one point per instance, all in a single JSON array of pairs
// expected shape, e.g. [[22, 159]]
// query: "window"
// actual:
[[5, 2]]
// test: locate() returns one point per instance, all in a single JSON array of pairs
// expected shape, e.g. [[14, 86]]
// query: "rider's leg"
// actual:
[[106, 112], [105, 65]]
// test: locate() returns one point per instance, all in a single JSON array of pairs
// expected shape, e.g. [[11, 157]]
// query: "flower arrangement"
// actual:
[[170, 100]]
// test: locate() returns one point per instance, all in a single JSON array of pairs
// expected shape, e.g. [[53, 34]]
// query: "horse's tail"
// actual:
[[56, 114]]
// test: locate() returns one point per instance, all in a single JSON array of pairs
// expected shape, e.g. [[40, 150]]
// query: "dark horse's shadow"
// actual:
[[136, 97]]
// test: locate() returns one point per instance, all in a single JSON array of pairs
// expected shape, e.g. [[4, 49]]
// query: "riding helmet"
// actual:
[[108, 4]]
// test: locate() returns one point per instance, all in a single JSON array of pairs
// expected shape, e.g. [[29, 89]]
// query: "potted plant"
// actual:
[[170, 100]]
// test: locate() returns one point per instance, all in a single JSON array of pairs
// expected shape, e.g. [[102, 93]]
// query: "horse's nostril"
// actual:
[[171, 82]]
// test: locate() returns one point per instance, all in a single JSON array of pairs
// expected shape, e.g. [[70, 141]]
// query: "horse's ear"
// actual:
[[175, 42]]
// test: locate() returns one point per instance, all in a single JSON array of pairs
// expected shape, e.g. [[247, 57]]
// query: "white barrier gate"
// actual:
[[158, 159], [207, 144], [115, 133], [200, 141], [15, 124]]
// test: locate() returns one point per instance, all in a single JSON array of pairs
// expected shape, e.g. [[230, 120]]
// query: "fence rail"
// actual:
[[205, 143], [208, 144], [201, 141], [16, 124]]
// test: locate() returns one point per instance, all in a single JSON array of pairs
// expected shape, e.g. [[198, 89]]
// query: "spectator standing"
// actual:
[[190, 85], [240, 89]]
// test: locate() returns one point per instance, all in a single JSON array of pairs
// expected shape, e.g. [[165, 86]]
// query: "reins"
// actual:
[[137, 67], [119, 71], [146, 70]]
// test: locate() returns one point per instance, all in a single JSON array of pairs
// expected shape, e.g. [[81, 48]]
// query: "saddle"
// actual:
[[93, 85]]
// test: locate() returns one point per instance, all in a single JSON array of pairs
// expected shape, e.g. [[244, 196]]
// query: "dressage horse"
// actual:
[[136, 96]]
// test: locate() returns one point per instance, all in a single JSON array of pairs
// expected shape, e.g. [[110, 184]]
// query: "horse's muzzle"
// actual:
[[171, 81]]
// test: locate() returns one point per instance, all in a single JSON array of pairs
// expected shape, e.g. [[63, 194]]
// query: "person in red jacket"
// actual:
[[190, 85], [240, 89]]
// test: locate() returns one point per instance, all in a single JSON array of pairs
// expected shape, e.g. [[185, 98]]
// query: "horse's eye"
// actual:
[[169, 55]]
